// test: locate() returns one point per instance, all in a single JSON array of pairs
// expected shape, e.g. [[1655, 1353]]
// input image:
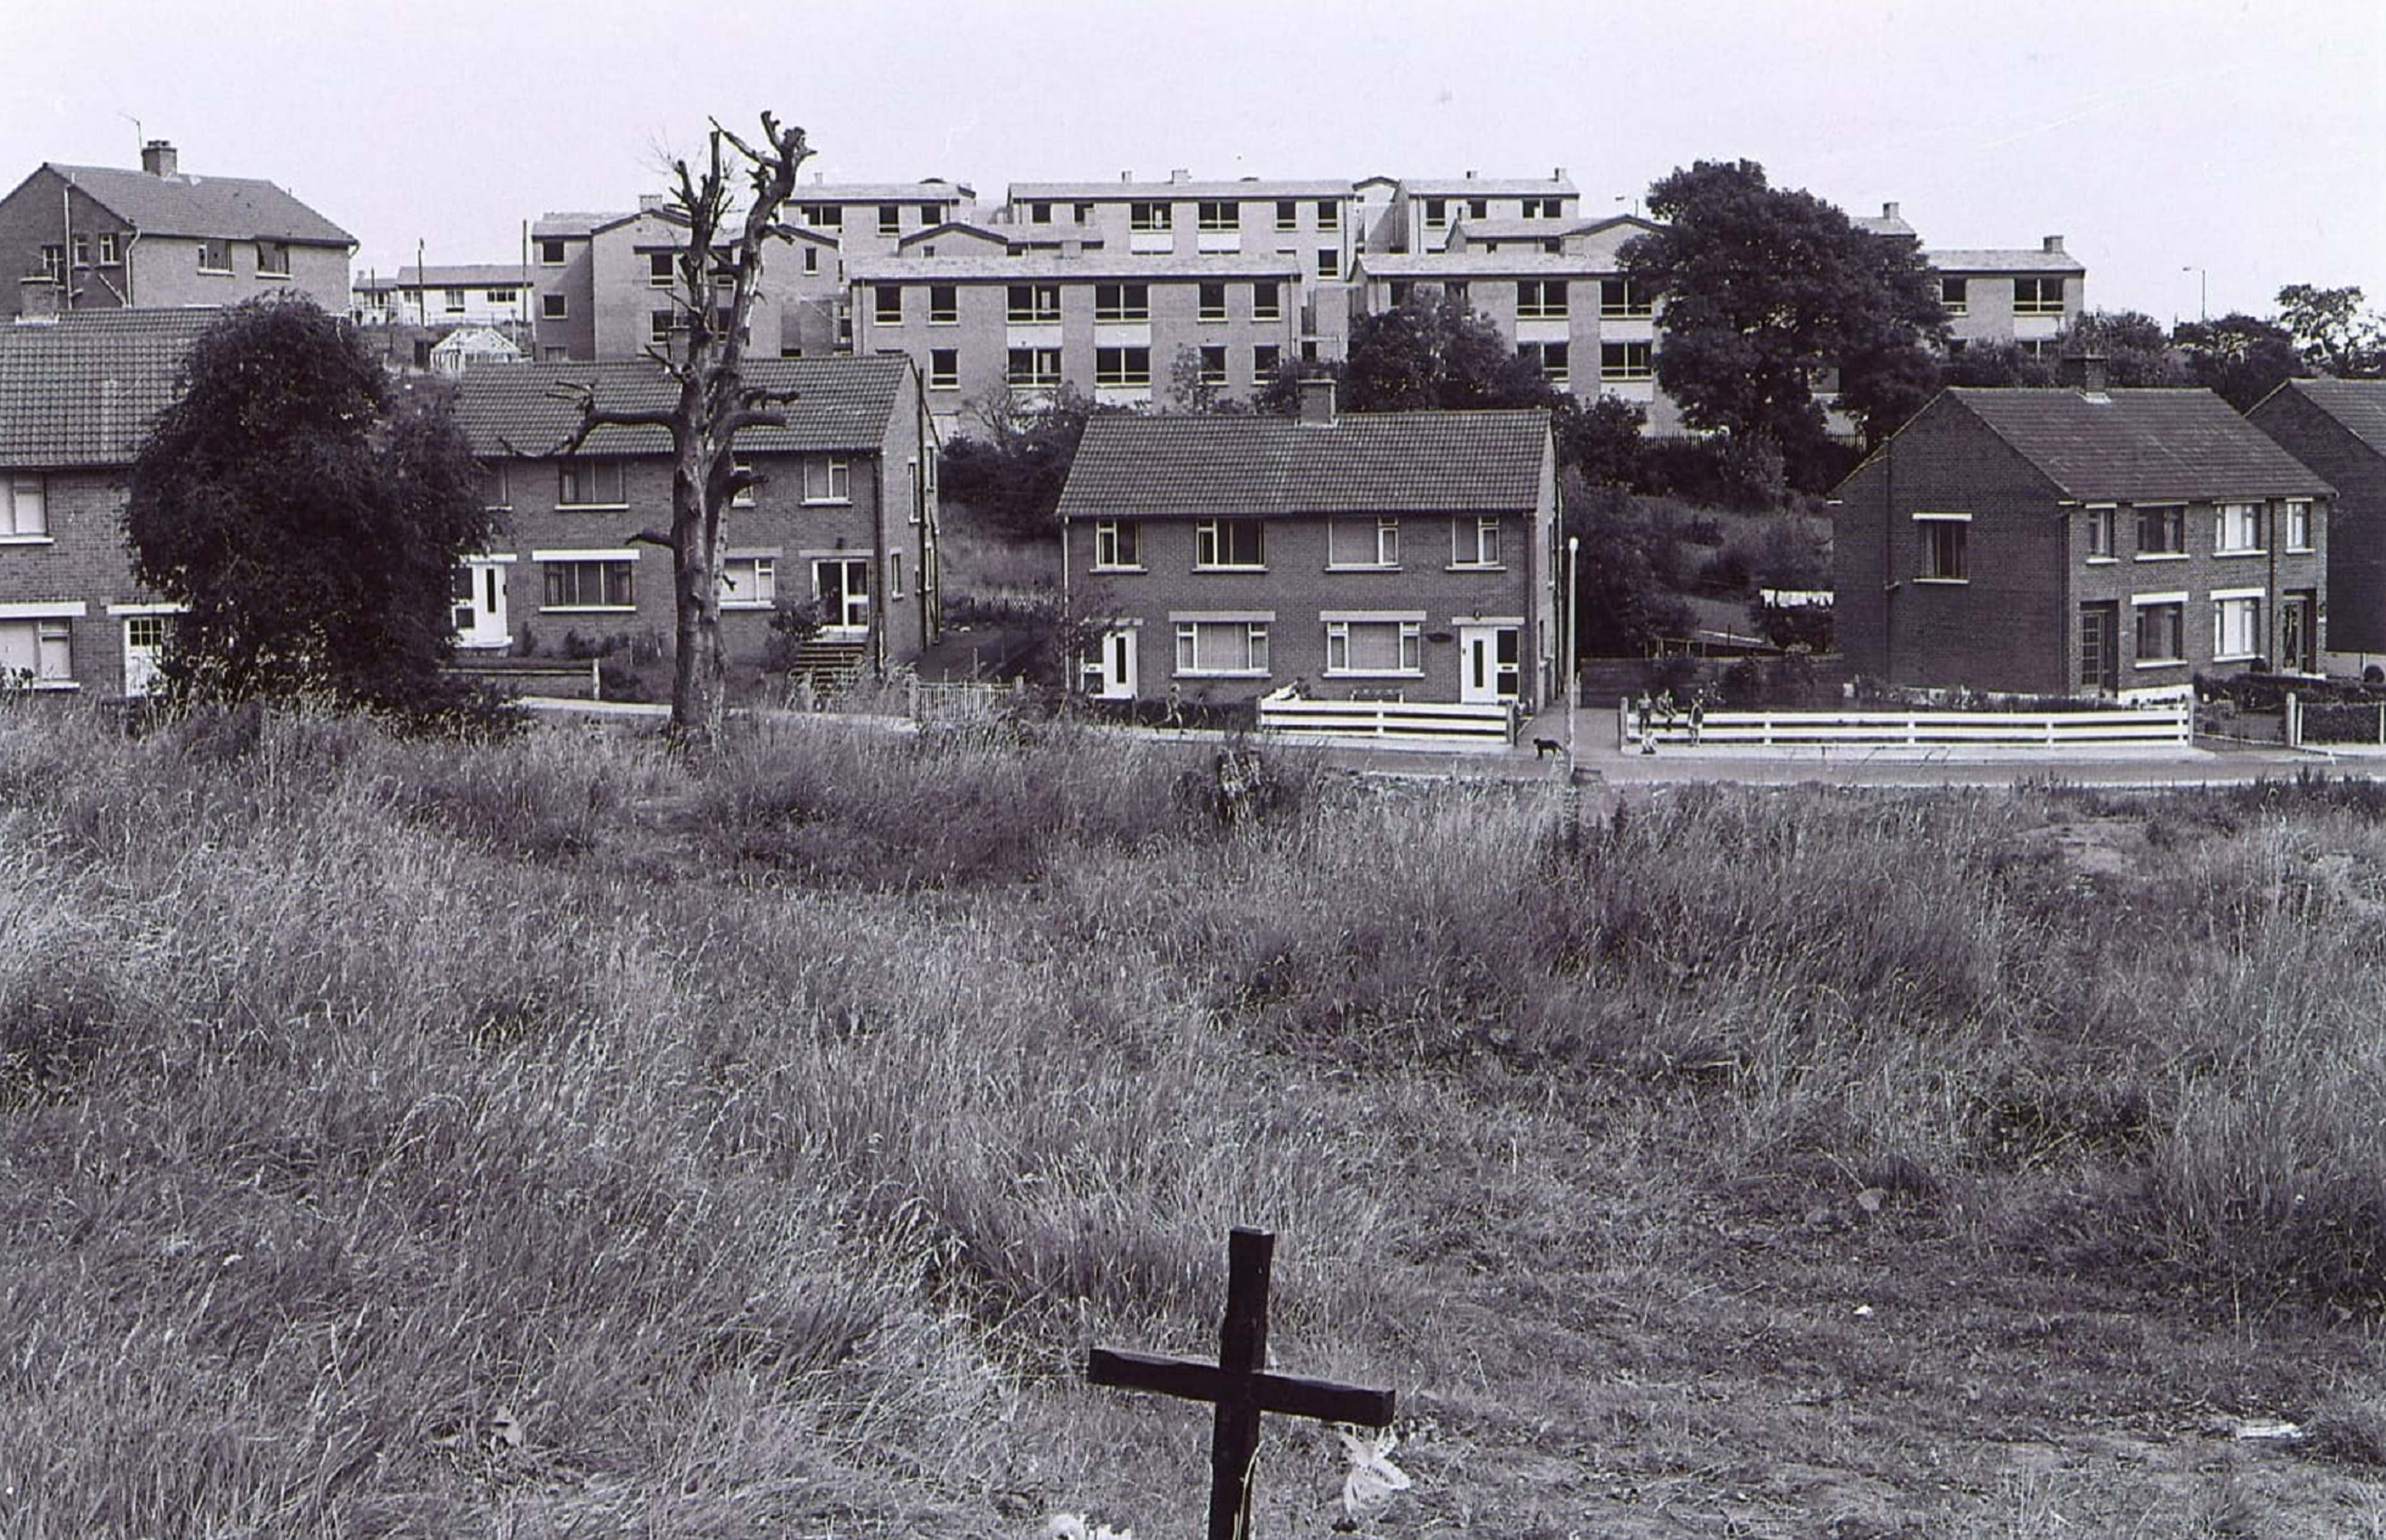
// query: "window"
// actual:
[[1220, 216], [889, 307], [1399, 290], [1034, 367], [1213, 302], [587, 484], [2236, 626], [1955, 294], [2099, 521], [1082, 212], [1329, 262], [1150, 216], [550, 254], [1480, 209], [811, 259], [1266, 359], [1542, 299], [2237, 529], [1374, 647], [1035, 302], [108, 254], [2162, 531], [930, 461], [1122, 302], [1222, 647], [1267, 302], [1039, 213], [943, 304], [214, 256], [1626, 361], [1329, 214], [890, 219], [1369, 543], [1116, 547], [944, 369], [26, 512], [1542, 208], [827, 479], [496, 487], [824, 215], [38, 651], [1943, 537], [2038, 297], [1437, 213], [273, 257], [599, 583], [744, 496], [501, 296], [452, 300], [893, 574], [1213, 365], [2299, 525], [552, 307], [750, 583], [1474, 543], [2162, 632], [1455, 292], [1229, 543], [659, 325], [1288, 214], [1621, 299], [1550, 358], [658, 270], [1122, 366]]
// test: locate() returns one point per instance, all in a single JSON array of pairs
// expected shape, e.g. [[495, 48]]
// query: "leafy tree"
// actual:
[[1600, 438], [1429, 352], [721, 260], [1013, 475], [1765, 288], [2243, 358], [1994, 365], [309, 516], [1620, 606], [1280, 396], [2132, 345], [2334, 334]]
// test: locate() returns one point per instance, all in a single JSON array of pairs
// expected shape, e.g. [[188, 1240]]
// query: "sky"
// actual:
[[2195, 155]]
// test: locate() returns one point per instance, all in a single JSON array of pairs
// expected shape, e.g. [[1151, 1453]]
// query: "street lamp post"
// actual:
[[1573, 679], [2202, 304]]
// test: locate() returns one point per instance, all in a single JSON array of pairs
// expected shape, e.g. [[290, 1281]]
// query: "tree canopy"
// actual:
[[1764, 289], [2331, 331], [2242, 358], [309, 516], [1430, 351]]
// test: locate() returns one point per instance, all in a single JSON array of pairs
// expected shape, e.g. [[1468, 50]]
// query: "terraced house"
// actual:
[[845, 516], [2081, 542], [1405, 556], [2338, 427]]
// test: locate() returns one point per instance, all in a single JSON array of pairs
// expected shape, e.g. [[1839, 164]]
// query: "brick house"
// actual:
[[2080, 543], [77, 394], [2338, 427], [845, 515], [1400, 555], [100, 237]]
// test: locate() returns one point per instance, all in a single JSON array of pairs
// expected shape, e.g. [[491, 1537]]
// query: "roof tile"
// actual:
[[842, 403], [2139, 446], [79, 391], [233, 208]]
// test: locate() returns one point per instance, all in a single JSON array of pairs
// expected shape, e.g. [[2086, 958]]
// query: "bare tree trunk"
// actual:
[[699, 686]]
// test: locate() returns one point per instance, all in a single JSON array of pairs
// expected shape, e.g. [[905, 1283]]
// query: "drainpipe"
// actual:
[[878, 565], [65, 247]]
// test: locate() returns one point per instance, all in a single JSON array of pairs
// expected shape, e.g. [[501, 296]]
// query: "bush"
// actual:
[[793, 622]]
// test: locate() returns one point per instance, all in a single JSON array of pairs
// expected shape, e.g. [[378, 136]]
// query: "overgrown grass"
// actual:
[[547, 1137]]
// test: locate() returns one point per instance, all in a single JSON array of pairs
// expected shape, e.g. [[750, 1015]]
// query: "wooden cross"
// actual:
[[1239, 1384]]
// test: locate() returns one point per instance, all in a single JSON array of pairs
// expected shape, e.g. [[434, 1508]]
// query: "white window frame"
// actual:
[[1267, 300], [2174, 516], [1288, 214], [1379, 538], [109, 253], [1118, 545], [744, 496], [1541, 306], [555, 307], [667, 274], [1215, 214], [550, 560], [25, 516], [762, 568], [886, 304], [1043, 370], [1214, 538], [584, 470], [2138, 604], [1933, 530], [1143, 218], [552, 252], [2237, 530], [1955, 295], [279, 250], [1119, 367], [941, 378], [828, 479], [2103, 519], [2038, 303], [1203, 310], [1122, 302], [1553, 359], [1617, 301], [893, 576], [1474, 544], [1214, 364], [943, 305], [1246, 636], [1626, 362], [1409, 645], [2244, 605], [2295, 524], [1042, 308]]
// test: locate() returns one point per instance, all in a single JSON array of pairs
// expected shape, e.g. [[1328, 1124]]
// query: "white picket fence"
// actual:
[[1483, 728], [2170, 725]]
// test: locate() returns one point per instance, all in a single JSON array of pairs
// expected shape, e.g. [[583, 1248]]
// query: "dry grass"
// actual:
[[539, 1139]]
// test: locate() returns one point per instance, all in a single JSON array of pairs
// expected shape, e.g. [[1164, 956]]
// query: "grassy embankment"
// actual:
[[540, 1140]]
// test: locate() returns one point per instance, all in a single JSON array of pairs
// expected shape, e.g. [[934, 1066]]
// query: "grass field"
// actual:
[[546, 1139]]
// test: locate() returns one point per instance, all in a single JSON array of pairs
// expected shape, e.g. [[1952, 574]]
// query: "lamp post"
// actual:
[[1573, 681], [2203, 304]]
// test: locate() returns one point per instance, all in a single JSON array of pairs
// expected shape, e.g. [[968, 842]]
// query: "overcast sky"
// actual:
[[2247, 140]]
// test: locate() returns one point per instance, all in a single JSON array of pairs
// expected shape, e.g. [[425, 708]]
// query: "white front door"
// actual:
[[144, 642], [1489, 661], [1115, 670], [480, 605], [842, 584]]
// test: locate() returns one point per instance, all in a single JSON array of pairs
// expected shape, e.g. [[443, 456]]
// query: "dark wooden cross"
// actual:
[[1240, 1386]]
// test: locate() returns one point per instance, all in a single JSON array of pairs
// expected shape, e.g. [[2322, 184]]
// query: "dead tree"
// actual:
[[712, 404]]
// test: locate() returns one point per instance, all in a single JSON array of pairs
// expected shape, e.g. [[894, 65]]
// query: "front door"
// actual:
[[480, 605], [2100, 648], [1114, 675], [843, 584], [1490, 663], [2298, 649], [144, 643]]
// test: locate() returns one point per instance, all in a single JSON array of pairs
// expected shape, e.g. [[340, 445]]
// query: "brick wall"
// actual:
[[82, 559], [2356, 561]]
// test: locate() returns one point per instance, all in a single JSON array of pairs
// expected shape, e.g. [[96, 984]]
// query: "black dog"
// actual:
[[1547, 749]]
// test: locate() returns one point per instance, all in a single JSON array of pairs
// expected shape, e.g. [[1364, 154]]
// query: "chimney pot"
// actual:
[[1470, 176], [1317, 401], [2054, 244], [651, 203], [2084, 372], [1180, 175], [158, 159]]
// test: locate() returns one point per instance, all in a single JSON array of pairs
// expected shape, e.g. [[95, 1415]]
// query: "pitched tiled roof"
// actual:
[[233, 208], [2139, 446], [79, 391], [1165, 191], [1040, 266], [842, 404], [2358, 406], [1376, 462], [2024, 260]]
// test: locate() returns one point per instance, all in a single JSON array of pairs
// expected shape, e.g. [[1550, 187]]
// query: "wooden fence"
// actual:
[[1483, 728], [2171, 725]]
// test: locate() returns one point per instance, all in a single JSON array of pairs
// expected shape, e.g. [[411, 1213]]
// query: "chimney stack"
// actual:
[[1888, 211], [2053, 244], [158, 159], [1180, 175], [1317, 401], [2084, 372]]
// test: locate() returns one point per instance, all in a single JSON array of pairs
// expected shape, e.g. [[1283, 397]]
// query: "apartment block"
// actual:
[[495, 295]]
